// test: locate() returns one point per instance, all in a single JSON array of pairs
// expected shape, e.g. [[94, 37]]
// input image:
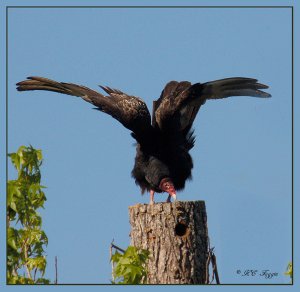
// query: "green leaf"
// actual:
[[289, 270], [39, 154], [13, 238], [13, 193], [38, 263], [15, 159], [42, 281]]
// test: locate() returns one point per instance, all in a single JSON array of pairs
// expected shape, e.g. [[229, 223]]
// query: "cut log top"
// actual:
[[164, 205]]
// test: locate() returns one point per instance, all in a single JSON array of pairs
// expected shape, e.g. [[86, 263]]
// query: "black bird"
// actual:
[[162, 162]]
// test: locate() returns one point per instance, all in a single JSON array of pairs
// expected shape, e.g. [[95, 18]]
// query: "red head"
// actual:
[[166, 185]]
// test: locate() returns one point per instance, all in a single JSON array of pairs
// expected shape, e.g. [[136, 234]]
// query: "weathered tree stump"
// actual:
[[176, 236]]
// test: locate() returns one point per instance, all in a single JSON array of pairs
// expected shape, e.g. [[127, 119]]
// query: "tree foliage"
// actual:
[[26, 261], [130, 267], [289, 270]]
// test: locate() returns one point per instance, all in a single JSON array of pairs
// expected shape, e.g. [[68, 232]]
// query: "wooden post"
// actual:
[[176, 236]]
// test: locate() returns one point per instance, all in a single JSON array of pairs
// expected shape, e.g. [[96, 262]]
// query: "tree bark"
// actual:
[[176, 236]]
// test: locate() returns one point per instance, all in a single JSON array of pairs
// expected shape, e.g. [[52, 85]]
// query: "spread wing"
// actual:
[[180, 102], [130, 111]]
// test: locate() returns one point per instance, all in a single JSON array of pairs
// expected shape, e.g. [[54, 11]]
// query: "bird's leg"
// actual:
[[152, 192]]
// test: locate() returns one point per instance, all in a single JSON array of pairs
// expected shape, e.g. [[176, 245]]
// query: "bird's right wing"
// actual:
[[130, 111]]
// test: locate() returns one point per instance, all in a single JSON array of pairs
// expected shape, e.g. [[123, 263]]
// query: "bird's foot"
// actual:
[[169, 199], [171, 196]]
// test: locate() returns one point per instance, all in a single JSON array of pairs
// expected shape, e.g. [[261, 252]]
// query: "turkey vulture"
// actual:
[[162, 162]]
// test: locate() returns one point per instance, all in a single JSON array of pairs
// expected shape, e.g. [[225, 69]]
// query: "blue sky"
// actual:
[[242, 155]]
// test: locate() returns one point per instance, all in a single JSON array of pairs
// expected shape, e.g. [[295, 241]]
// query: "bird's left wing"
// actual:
[[180, 102], [130, 111]]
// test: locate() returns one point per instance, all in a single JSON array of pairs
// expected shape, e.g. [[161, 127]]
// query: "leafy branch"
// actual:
[[26, 261], [289, 270], [130, 266]]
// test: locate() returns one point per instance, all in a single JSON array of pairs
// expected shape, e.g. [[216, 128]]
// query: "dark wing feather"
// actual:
[[167, 107], [130, 111], [235, 86], [180, 102]]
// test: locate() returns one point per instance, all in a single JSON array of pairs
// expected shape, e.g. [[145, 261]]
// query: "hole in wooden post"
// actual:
[[181, 229]]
